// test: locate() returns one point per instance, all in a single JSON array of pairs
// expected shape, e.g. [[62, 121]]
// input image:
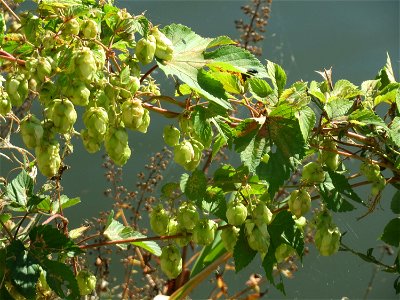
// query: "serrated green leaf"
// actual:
[[220, 141], [45, 239], [277, 76], [61, 279], [344, 89], [394, 131], [213, 202], [364, 117], [116, 231], [20, 189], [228, 178], [388, 94], [306, 118], [391, 233], [168, 189], [220, 41], [202, 127], [259, 88], [188, 60], [183, 181], [395, 204], [252, 154], [337, 108], [230, 82], [5, 217], [65, 203], [315, 91], [242, 253], [244, 133], [196, 185]]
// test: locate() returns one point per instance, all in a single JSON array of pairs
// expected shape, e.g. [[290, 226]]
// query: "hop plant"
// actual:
[[17, 88], [329, 158], [187, 215], [204, 232], [31, 131], [229, 237], [282, 252], [327, 240], [96, 122], [183, 153], [63, 115], [171, 261], [257, 236], [86, 282], [261, 214], [48, 158], [171, 135], [164, 47], [299, 202], [116, 144], [132, 113], [145, 49], [89, 29], [70, 27], [236, 213], [159, 219], [313, 173], [85, 64], [79, 94]]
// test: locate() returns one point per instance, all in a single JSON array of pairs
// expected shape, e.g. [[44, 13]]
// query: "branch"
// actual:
[[148, 73], [163, 111]]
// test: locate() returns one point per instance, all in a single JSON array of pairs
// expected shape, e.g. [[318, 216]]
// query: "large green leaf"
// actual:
[[252, 154], [201, 126], [277, 76], [259, 88], [213, 202], [394, 132], [391, 233], [45, 239], [20, 189], [196, 185], [338, 107], [116, 231], [230, 179], [306, 118], [187, 61], [364, 117], [344, 89]]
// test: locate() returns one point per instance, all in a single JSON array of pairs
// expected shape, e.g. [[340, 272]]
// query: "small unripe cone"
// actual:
[[299, 202], [159, 219], [86, 282], [92, 145], [85, 64], [229, 237], [187, 215], [378, 185], [371, 171], [79, 94], [197, 148], [282, 252], [5, 104], [48, 158], [204, 232], [171, 261], [44, 68], [164, 46], [236, 213], [71, 27], [145, 49], [96, 122], [171, 135], [63, 115], [327, 240], [257, 236], [17, 88], [183, 153], [31, 131], [89, 29], [132, 113], [328, 158], [116, 143], [145, 122], [313, 173], [261, 214]]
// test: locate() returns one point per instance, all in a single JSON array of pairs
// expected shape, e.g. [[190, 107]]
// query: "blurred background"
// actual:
[[353, 38]]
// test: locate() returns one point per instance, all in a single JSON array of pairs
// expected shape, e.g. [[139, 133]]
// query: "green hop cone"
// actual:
[[261, 214], [71, 27], [370, 170], [86, 282], [197, 148], [171, 261], [31, 131], [145, 49], [91, 144], [164, 46], [378, 185], [187, 215], [299, 202], [258, 237], [171, 135], [5, 103], [145, 122], [313, 173], [204, 232], [89, 29], [79, 94], [329, 158], [183, 153], [229, 237], [282, 252], [17, 88], [48, 158], [130, 88], [159, 219], [96, 122], [63, 115], [327, 240], [236, 213], [116, 143], [132, 113], [44, 68], [85, 64]]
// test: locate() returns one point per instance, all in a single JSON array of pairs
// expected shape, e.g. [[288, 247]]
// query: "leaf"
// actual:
[[394, 131], [391, 233], [245, 132], [345, 89], [202, 127], [65, 203], [388, 94], [364, 117], [277, 76], [242, 253], [115, 231], [240, 59], [259, 88], [251, 156], [386, 74], [45, 239], [338, 107], [5, 217], [209, 254], [395, 204], [396, 285], [316, 92], [24, 269], [20, 189], [187, 61], [228, 178], [306, 118], [61, 279], [196, 185], [220, 41]]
